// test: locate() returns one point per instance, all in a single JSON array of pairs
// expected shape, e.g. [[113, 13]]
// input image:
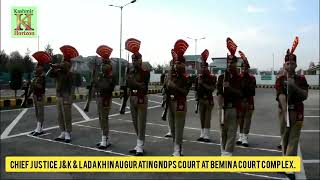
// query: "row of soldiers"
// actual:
[[235, 94]]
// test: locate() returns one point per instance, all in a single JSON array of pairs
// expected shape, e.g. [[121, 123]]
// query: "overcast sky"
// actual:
[[259, 27]]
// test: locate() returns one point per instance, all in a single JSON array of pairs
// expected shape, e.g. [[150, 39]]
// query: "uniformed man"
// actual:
[[104, 87], [38, 87], [138, 79], [280, 113], [165, 98], [204, 86], [248, 87], [178, 87], [229, 99], [63, 77], [292, 90]]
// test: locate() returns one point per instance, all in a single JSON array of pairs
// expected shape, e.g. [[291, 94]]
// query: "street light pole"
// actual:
[[121, 8], [195, 43]]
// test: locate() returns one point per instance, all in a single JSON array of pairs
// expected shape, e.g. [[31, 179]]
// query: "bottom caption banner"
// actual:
[[152, 164]]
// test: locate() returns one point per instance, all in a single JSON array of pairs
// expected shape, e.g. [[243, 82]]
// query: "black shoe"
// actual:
[[133, 151], [139, 154], [245, 144], [38, 133], [32, 133], [279, 146], [67, 140], [122, 111], [168, 135], [206, 140], [239, 142], [102, 147], [200, 139], [59, 139], [291, 176]]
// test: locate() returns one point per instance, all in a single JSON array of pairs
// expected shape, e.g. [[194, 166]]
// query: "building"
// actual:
[[219, 64]]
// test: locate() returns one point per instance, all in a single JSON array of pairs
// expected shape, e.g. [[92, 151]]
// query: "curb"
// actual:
[[15, 103], [272, 86]]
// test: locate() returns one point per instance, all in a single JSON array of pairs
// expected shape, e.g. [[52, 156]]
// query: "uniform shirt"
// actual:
[[181, 81], [294, 97], [38, 85], [105, 82], [248, 87], [209, 80], [140, 76], [230, 95], [64, 82]]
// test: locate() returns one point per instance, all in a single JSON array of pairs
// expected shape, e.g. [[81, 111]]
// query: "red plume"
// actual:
[[294, 44], [180, 47], [232, 47], [242, 55], [69, 52], [205, 55], [133, 45], [104, 51], [42, 57]]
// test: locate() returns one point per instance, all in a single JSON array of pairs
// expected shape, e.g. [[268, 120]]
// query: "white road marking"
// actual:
[[155, 102], [212, 130], [312, 116], [19, 109], [310, 131], [7, 131], [83, 114], [83, 147], [259, 175], [302, 173], [160, 137], [311, 161]]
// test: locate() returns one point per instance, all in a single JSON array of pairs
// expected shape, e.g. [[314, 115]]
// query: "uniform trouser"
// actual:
[[103, 111], [291, 135], [281, 118], [229, 130], [245, 118], [205, 109], [39, 108], [177, 121], [64, 113], [139, 116]]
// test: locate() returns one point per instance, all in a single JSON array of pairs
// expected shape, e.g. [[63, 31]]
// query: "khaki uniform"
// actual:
[[231, 97], [178, 110], [37, 87], [64, 99], [247, 106], [104, 87], [204, 87], [290, 135], [139, 103]]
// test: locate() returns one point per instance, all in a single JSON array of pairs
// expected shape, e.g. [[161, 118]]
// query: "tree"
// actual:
[[159, 69], [4, 59], [16, 67], [311, 65], [28, 65]]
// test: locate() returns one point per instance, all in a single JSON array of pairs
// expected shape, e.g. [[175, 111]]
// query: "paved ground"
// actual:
[[16, 124]]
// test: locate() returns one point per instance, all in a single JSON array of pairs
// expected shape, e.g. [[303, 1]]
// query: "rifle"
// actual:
[[197, 99], [26, 94], [225, 79], [125, 96], [90, 87], [167, 98]]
